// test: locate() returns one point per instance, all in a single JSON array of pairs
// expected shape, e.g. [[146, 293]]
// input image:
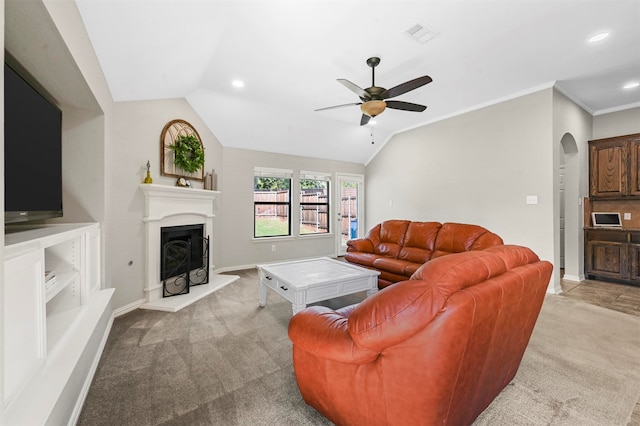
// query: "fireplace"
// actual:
[[179, 208], [184, 258]]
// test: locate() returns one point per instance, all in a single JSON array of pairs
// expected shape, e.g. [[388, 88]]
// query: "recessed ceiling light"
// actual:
[[598, 37], [631, 85], [237, 83]]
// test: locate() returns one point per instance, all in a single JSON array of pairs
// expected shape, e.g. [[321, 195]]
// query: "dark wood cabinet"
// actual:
[[634, 166], [613, 254], [614, 168]]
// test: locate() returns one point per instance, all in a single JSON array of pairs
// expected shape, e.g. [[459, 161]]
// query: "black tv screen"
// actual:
[[32, 152]]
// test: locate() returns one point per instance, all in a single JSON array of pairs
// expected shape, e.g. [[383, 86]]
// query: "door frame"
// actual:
[[340, 178]]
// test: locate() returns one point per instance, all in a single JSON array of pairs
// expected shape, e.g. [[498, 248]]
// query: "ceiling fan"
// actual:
[[374, 98]]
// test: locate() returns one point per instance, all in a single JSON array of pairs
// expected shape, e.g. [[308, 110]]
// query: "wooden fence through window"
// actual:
[[314, 216]]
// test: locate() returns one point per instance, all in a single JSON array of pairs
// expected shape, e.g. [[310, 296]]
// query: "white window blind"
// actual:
[[315, 175], [271, 172]]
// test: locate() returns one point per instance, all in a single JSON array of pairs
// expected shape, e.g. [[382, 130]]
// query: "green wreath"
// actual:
[[189, 153]]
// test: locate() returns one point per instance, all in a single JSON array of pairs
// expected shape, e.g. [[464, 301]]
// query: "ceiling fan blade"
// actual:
[[338, 106], [365, 119], [354, 88], [405, 106], [406, 87]]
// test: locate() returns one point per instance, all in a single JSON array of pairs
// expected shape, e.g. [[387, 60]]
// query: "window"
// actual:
[[314, 203], [272, 202]]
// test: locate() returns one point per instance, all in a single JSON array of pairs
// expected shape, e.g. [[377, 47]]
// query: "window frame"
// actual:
[[320, 177], [275, 174]]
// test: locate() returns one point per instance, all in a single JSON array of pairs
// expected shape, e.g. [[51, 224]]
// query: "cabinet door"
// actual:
[[634, 167], [24, 320], [634, 262], [608, 168], [607, 259]]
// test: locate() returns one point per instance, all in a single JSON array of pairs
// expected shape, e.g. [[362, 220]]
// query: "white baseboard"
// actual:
[[128, 308], [573, 278]]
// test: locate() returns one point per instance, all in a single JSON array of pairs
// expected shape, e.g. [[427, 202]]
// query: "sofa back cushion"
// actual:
[[389, 317], [419, 241], [388, 237], [459, 237]]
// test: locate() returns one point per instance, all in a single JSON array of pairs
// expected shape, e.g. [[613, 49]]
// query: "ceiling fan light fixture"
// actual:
[[373, 108]]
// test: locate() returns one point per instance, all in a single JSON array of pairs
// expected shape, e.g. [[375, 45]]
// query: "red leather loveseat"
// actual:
[[397, 248], [433, 350]]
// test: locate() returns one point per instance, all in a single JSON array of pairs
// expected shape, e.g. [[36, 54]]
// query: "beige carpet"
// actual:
[[582, 367], [225, 361]]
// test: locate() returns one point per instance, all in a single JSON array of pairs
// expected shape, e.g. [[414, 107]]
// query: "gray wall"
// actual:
[[616, 123], [136, 129], [571, 132], [477, 168], [239, 248]]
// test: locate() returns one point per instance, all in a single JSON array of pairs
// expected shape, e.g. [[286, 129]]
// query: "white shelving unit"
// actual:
[[54, 330]]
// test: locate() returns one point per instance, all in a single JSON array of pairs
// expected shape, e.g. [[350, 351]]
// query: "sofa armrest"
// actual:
[[323, 332], [362, 245]]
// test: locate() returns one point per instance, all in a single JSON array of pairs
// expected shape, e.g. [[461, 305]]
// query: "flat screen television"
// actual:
[[32, 152]]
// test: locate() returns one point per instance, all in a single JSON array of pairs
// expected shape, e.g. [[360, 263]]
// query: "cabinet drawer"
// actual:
[[280, 287], [607, 235]]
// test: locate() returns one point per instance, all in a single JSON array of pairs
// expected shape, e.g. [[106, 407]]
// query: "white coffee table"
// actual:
[[308, 281]]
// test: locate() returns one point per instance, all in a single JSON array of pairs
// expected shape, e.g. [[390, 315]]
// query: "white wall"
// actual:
[[136, 129], [476, 168], [616, 123], [239, 248], [570, 120]]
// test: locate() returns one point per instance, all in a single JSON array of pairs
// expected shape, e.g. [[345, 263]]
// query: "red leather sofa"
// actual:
[[397, 248], [432, 350]]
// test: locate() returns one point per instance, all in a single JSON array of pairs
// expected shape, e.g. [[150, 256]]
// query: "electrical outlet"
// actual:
[[273, 247]]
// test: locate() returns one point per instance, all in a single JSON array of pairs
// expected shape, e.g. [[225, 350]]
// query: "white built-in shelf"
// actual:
[[62, 280], [54, 331]]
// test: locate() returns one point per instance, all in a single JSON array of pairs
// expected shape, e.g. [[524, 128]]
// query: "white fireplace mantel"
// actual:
[[162, 201], [175, 206]]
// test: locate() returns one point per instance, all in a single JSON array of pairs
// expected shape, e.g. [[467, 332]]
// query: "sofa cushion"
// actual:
[[392, 265], [419, 242], [513, 255], [427, 292], [459, 237], [390, 237], [361, 258]]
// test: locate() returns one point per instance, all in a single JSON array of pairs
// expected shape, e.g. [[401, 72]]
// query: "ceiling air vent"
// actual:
[[421, 32]]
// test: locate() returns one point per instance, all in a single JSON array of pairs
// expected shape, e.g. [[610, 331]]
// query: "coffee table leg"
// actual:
[[263, 293], [297, 308], [374, 287]]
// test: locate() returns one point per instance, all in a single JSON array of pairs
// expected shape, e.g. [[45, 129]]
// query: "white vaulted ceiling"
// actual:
[[290, 53]]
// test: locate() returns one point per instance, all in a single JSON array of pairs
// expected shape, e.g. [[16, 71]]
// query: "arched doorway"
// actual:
[[570, 211]]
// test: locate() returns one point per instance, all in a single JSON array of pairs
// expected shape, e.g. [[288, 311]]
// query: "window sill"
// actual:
[[291, 237]]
